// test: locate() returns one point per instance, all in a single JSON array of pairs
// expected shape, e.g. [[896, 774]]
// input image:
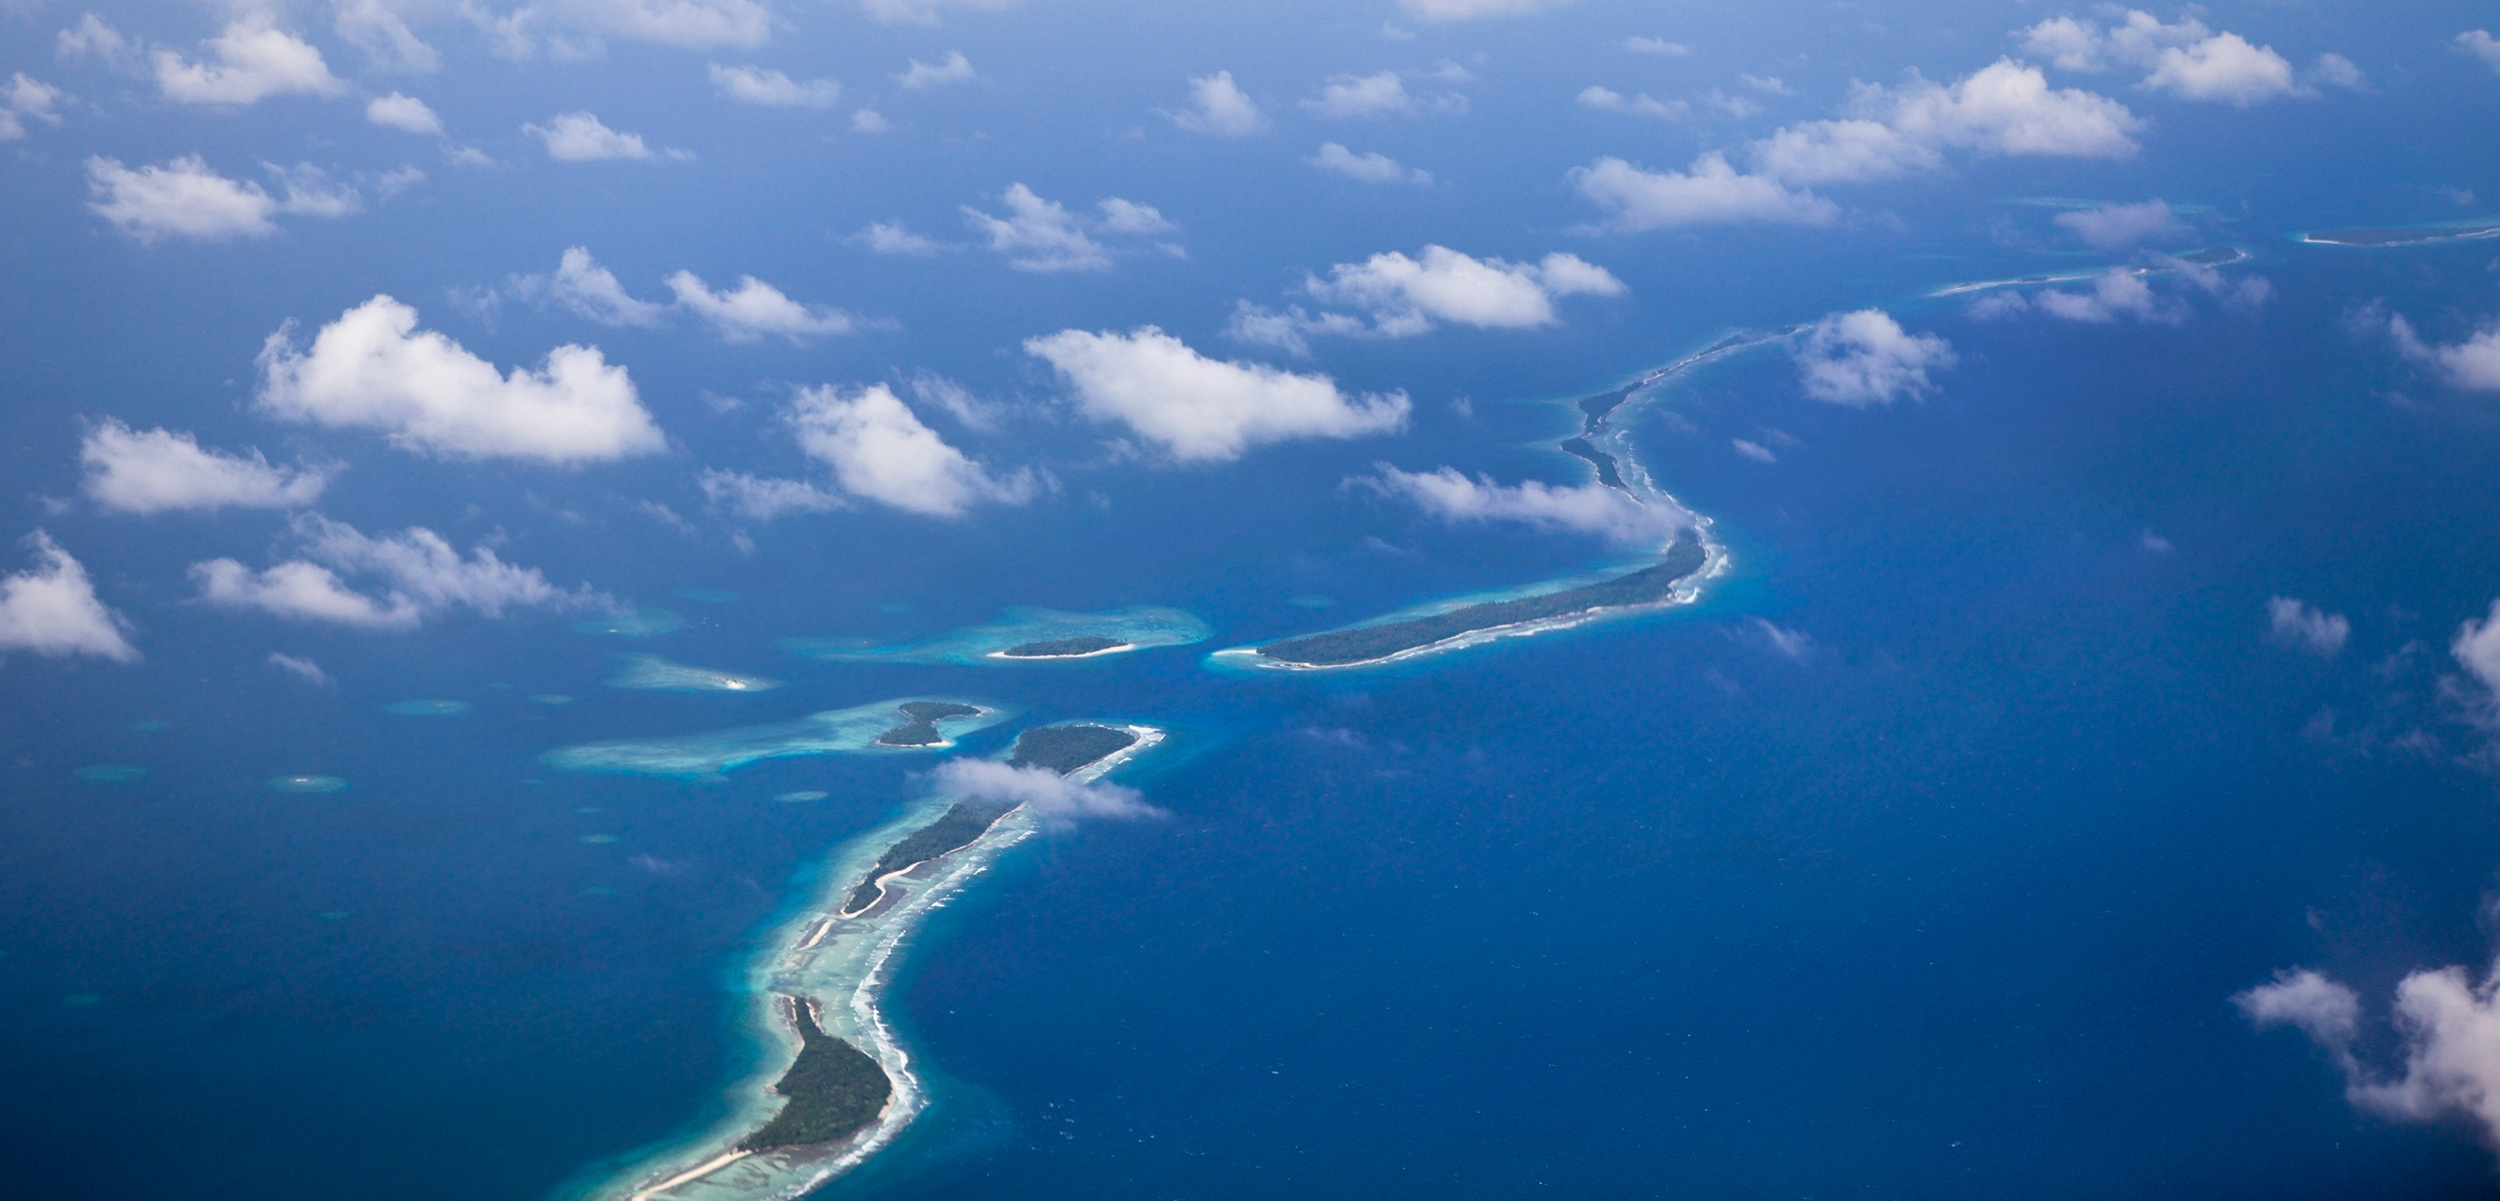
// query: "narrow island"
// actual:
[[1651, 585], [920, 725], [2401, 235], [833, 1085], [1066, 648]]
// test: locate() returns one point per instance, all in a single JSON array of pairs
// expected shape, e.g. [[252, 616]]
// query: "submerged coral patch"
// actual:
[[110, 773], [659, 675], [1023, 635]]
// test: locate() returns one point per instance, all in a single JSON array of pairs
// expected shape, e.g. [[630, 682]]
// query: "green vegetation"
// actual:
[[834, 1089], [1365, 643], [1603, 462], [964, 822], [1064, 749], [1060, 647], [921, 728]]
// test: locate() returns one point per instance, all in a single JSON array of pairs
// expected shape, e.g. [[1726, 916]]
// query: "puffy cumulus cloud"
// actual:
[[754, 85], [1851, 150], [1369, 167], [1380, 95], [2480, 44], [2114, 294], [756, 310], [1710, 192], [375, 28], [2114, 227], [2448, 1026], [2185, 59], [371, 369], [588, 290], [760, 498], [1218, 106], [51, 609], [1607, 100], [954, 68], [879, 450], [2005, 108], [1047, 795], [178, 199], [2477, 649], [1472, 10], [1197, 409], [398, 111], [2295, 623], [577, 29], [26, 98], [891, 237], [254, 61], [923, 12], [153, 471], [1406, 296], [414, 576], [583, 138], [1042, 235], [2473, 364], [2337, 71], [1865, 358], [302, 669], [1585, 508]]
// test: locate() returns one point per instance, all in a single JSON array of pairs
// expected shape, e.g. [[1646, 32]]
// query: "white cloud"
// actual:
[[26, 97], [1710, 192], [255, 60], [1047, 795], [1769, 85], [152, 471], [93, 38], [1383, 94], [589, 290], [889, 237], [2337, 71], [302, 669], [968, 410], [2473, 364], [1661, 46], [879, 450], [1222, 108], [1864, 358], [2114, 227], [1370, 167], [2479, 43], [922, 12], [763, 499], [2068, 44], [311, 193], [404, 112], [1470, 10], [2005, 108], [754, 85], [757, 309], [370, 369], [1850, 150], [1754, 450], [371, 26], [574, 29], [2223, 67], [954, 69], [1585, 508], [1041, 235], [1199, 409], [2477, 649], [180, 199], [418, 574], [2294, 623], [51, 609], [2448, 1027], [1795, 645], [1608, 100], [868, 120], [582, 138], [1406, 296], [1287, 330], [2114, 293]]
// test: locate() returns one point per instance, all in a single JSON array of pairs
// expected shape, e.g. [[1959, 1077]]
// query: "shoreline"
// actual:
[[1121, 649], [839, 966]]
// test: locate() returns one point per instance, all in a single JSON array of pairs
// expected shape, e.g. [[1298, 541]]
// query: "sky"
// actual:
[[376, 316]]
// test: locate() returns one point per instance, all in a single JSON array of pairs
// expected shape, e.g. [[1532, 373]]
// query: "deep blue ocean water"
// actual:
[[1948, 906]]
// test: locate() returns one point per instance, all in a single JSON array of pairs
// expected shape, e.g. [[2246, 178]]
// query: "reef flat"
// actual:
[[2401, 235], [1355, 645], [1023, 635], [659, 675], [834, 1086], [920, 723]]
